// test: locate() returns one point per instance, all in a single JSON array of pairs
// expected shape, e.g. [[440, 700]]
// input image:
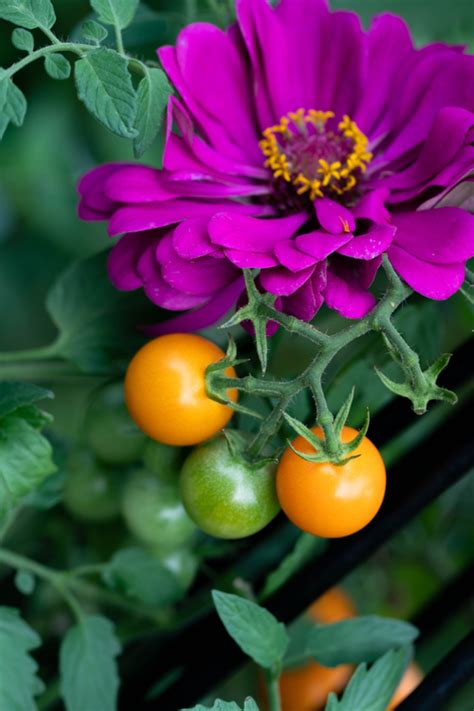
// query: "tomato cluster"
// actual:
[[165, 392]]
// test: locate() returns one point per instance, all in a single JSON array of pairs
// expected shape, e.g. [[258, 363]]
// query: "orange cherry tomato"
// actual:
[[410, 680], [333, 606], [328, 500], [165, 390], [307, 688]]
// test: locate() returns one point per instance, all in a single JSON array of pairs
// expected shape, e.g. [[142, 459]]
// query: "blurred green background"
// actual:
[[40, 235]]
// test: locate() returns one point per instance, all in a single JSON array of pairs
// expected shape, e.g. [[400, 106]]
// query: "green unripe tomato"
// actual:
[[183, 563], [90, 491], [108, 429], [154, 512], [163, 460], [225, 496]]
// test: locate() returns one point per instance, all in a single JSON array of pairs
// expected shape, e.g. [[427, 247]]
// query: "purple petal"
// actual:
[[137, 183], [435, 281], [191, 239], [252, 234], [308, 299], [372, 206], [291, 257], [320, 244], [156, 288], [137, 218], [203, 317], [282, 282], [250, 260], [441, 236], [333, 217], [95, 204], [344, 294], [122, 263], [371, 244]]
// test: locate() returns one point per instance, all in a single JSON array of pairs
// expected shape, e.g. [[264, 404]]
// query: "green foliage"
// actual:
[[93, 31], [97, 323], [219, 705], [12, 104], [105, 86], [255, 630], [88, 667], [305, 548], [371, 689], [25, 455], [152, 97], [23, 40], [57, 66], [18, 681], [352, 641], [138, 575], [29, 14], [25, 582], [115, 12]]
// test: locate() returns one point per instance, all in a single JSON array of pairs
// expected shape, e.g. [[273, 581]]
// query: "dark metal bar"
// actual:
[[438, 463], [448, 676]]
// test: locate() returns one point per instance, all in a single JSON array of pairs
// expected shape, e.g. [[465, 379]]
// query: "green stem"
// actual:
[[269, 426], [78, 49], [272, 679], [119, 40], [42, 353], [41, 371], [409, 360]]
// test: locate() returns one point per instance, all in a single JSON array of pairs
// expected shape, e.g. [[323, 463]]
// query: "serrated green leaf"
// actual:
[[373, 689], [250, 705], [57, 66], [97, 324], [357, 640], [105, 86], [115, 12], [255, 630], [305, 548], [22, 39], [18, 681], [25, 461], [34, 416], [12, 103], [138, 575], [28, 13], [152, 97], [14, 395], [218, 705], [25, 582], [93, 32], [88, 667]]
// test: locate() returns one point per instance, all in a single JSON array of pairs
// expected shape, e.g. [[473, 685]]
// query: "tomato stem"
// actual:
[[272, 678]]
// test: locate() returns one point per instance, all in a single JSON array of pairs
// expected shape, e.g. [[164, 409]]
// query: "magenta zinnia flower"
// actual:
[[302, 146]]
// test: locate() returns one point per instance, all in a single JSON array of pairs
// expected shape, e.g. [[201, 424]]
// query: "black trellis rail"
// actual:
[[417, 479]]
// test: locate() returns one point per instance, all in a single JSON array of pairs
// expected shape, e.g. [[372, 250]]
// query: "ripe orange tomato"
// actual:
[[410, 680], [332, 607], [307, 688], [328, 500], [165, 390]]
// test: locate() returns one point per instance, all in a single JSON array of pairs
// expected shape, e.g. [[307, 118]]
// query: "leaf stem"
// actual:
[[58, 46], [272, 679]]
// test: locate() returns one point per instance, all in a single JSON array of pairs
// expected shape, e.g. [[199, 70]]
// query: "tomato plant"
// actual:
[[165, 390], [91, 492], [225, 496], [328, 500]]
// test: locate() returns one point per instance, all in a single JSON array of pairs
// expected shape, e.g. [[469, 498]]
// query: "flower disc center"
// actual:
[[315, 153]]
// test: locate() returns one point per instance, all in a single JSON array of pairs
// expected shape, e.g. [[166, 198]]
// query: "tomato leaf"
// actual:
[[138, 575], [57, 66], [220, 705], [25, 582], [257, 632], [152, 97], [105, 86], [18, 681], [115, 12], [93, 31], [25, 461], [97, 324], [352, 641], [371, 689], [14, 395], [28, 13], [88, 667], [23, 40]]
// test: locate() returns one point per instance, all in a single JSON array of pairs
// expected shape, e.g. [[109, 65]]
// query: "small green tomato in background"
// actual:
[[109, 430], [224, 495], [154, 512], [183, 563], [163, 460], [91, 492]]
